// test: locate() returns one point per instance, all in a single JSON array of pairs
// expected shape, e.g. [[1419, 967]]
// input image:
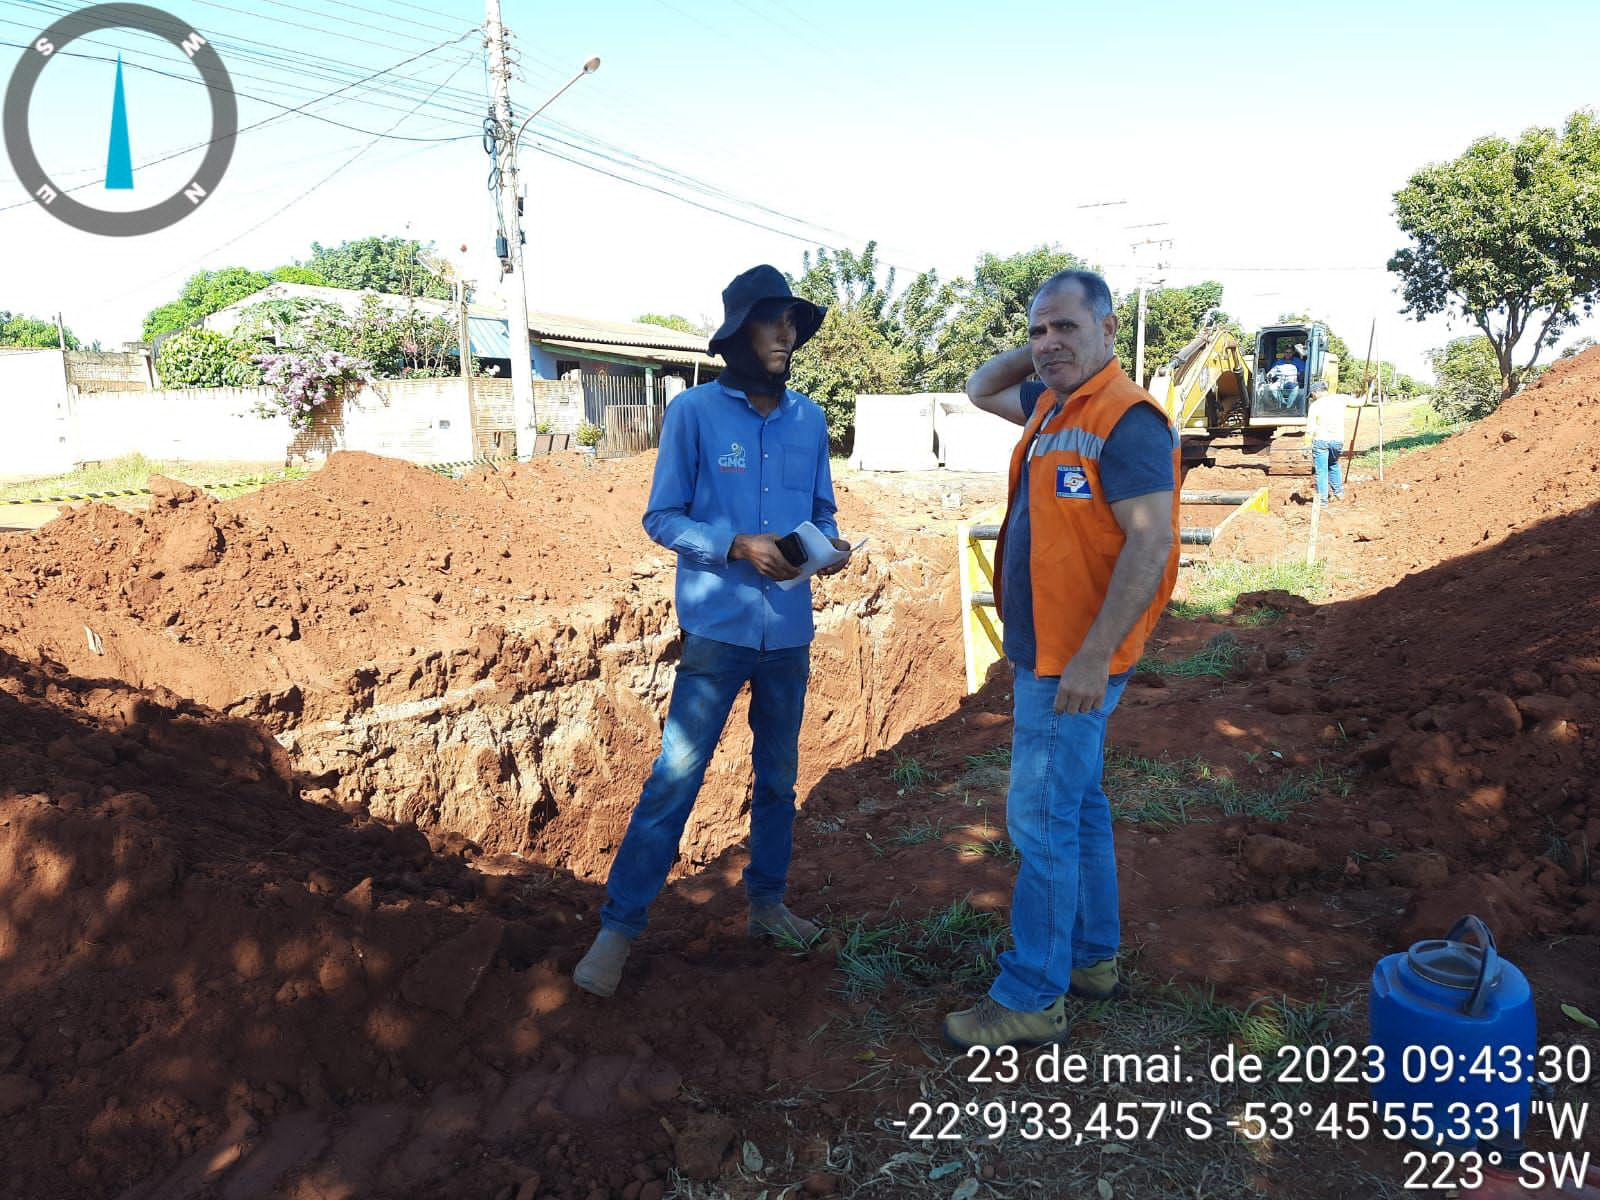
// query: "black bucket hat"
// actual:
[[752, 288]]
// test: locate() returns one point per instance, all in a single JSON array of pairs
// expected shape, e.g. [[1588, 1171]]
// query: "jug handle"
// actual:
[[1473, 924]]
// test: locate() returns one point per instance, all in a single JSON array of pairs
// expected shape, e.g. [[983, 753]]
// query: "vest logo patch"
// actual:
[[1072, 484]]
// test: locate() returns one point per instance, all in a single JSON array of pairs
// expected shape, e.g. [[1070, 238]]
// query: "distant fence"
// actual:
[[601, 390], [631, 429]]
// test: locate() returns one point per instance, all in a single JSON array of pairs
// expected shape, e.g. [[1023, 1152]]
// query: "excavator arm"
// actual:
[[1206, 385]]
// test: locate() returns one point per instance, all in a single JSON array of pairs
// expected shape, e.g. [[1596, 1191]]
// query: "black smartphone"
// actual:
[[789, 545]]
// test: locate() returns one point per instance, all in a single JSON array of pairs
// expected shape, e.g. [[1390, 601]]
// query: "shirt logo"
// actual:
[[1072, 484], [733, 460]]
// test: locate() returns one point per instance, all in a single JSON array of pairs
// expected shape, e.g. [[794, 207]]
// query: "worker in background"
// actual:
[[743, 461], [1283, 381], [1325, 423], [1086, 560]]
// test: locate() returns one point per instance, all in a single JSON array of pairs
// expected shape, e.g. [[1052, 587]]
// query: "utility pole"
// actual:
[[522, 406], [61, 331], [1143, 307]]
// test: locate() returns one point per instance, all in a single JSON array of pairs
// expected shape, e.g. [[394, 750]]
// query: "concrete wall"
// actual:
[[188, 423], [35, 424], [420, 420], [108, 370], [423, 420]]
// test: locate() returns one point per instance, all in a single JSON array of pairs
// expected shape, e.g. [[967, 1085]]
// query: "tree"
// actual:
[[379, 264], [848, 356], [674, 321], [854, 350], [1468, 371], [204, 293], [1172, 317], [203, 358], [295, 273], [990, 312], [390, 344], [18, 330], [1507, 235]]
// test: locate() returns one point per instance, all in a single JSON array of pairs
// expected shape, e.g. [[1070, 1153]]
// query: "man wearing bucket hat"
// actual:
[[743, 461]]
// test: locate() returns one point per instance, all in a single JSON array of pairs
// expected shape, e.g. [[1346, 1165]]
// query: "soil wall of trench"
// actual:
[[491, 656]]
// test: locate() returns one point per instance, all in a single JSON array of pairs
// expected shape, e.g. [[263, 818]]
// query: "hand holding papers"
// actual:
[[814, 552]]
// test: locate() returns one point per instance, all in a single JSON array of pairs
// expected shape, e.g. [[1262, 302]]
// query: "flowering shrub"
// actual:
[[304, 380]]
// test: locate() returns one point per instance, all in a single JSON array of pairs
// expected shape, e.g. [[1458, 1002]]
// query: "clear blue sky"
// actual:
[[940, 129]]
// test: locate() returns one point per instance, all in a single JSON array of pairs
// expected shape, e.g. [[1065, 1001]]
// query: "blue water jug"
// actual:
[[1455, 1023]]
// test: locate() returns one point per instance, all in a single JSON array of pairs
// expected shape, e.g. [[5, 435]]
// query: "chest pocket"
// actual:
[[799, 465]]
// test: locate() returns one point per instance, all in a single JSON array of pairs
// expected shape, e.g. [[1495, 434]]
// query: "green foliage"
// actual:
[[405, 344], [1172, 317], [590, 434], [1469, 386], [18, 330], [990, 312], [671, 321], [1216, 659], [298, 274], [202, 358], [1576, 346], [1214, 587], [204, 293], [1508, 235], [379, 264], [848, 356], [1336, 344]]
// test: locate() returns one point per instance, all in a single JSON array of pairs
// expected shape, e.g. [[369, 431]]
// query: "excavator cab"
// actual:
[[1288, 359]]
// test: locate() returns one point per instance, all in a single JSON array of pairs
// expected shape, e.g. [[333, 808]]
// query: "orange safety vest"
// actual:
[[1075, 536]]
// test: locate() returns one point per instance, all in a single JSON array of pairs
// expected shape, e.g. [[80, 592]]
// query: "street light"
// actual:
[[525, 416], [589, 68]]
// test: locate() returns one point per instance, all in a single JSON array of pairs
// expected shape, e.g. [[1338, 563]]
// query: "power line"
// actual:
[[285, 208], [292, 59], [288, 112], [301, 109]]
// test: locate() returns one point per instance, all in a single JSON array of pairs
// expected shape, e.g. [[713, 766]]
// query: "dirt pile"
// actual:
[[1455, 682], [1477, 666], [209, 987], [490, 656]]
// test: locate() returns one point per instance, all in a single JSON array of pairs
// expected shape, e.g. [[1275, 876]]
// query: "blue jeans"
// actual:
[[710, 675], [1064, 906], [1325, 462]]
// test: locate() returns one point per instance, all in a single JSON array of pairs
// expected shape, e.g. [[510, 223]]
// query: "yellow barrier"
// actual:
[[980, 620]]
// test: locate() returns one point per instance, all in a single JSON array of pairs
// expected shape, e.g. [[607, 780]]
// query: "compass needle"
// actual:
[[119, 158]]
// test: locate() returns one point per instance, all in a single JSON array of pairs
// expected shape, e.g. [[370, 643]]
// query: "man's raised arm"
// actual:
[[996, 386]]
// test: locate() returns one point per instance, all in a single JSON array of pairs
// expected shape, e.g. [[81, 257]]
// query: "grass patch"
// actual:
[[1217, 659], [1215, 587], [1163, 792], [909, 773], [955, 944], [916, 833], [993, 847], [995, 756], [134, 471], [1397, 448]]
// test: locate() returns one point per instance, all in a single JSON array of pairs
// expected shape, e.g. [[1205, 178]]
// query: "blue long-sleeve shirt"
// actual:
[[723, 470]]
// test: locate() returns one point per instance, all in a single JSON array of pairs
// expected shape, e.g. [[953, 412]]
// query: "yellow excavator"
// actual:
[[1246, 410]]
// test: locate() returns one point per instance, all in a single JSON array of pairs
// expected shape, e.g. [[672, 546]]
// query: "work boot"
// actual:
[[1097, 981], [990, 1023], [776, 921], [600, 970]]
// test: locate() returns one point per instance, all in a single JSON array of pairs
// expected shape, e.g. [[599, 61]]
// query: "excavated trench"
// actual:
[[490, 657]]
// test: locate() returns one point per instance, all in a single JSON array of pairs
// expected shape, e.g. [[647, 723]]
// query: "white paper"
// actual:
[[820, 554]]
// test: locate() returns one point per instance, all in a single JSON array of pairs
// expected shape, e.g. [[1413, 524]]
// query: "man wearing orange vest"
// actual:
[[1086, 561]]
